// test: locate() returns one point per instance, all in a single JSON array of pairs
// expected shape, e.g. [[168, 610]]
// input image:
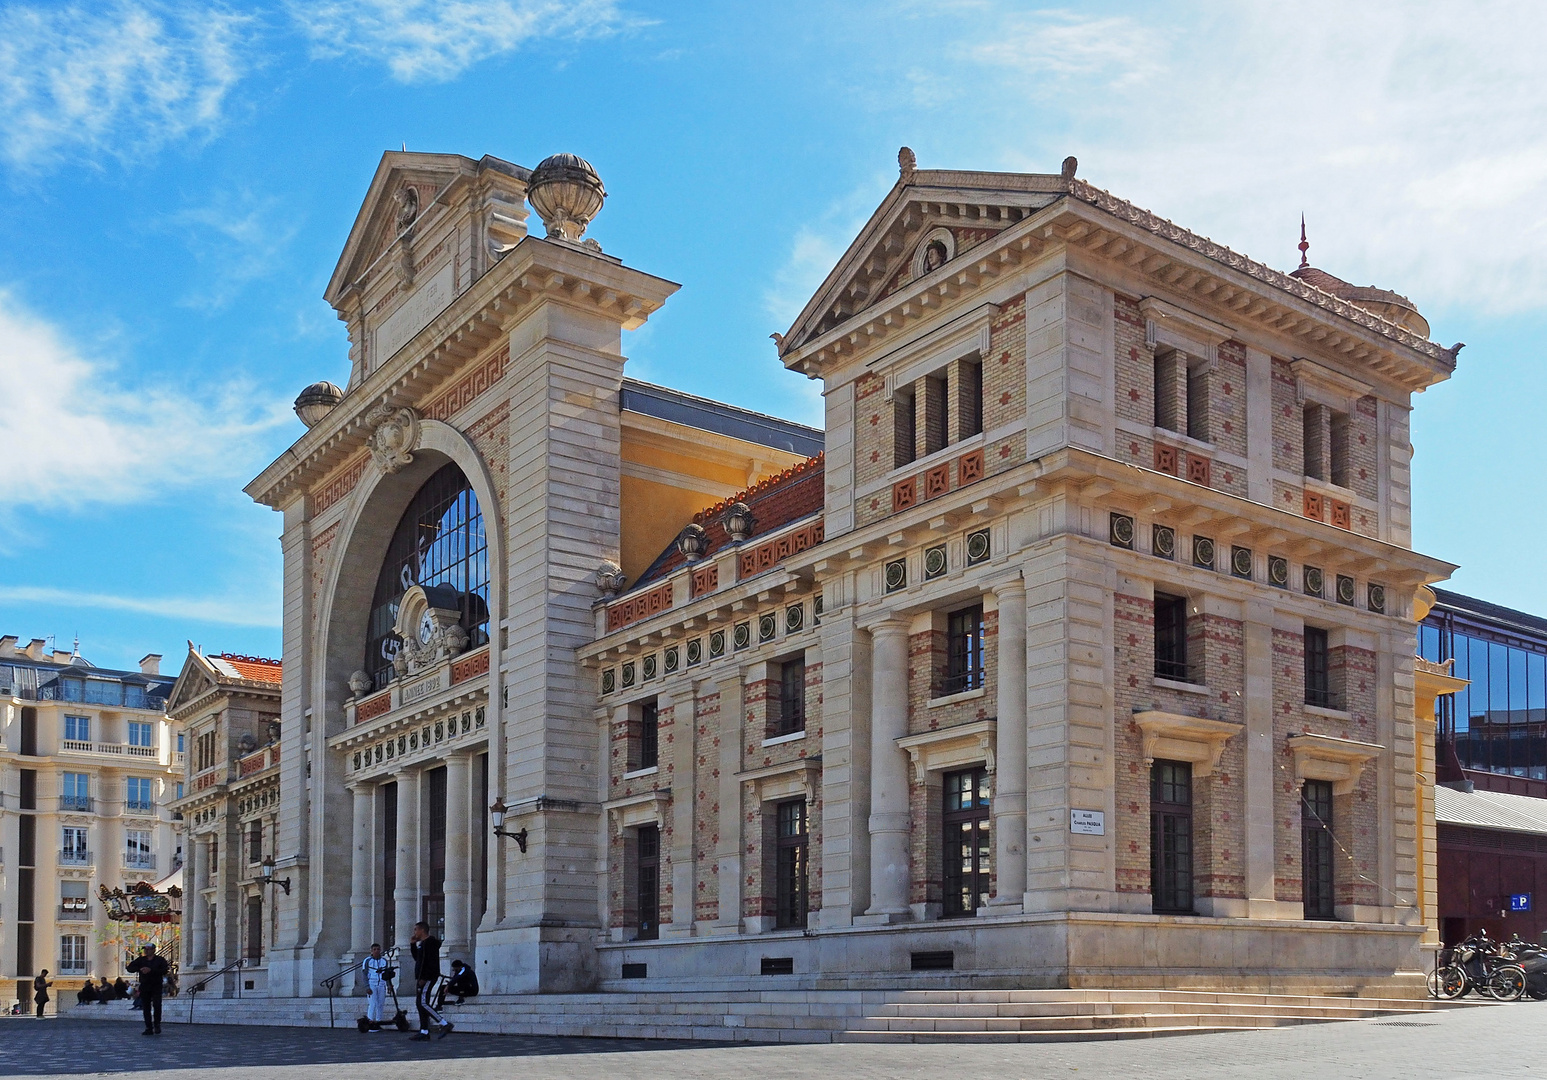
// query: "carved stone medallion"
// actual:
[[395, 438]]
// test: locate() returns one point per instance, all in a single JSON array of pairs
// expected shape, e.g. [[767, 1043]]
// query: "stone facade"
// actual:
[[1050, 417]]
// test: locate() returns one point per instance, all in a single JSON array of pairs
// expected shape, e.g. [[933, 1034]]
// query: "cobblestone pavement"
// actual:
[[1487, 1042]]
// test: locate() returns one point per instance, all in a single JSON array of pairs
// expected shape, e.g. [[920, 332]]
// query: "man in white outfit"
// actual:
[[377, 979]]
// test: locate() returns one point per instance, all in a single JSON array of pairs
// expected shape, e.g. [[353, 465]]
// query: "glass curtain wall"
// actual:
[[1499, 722]]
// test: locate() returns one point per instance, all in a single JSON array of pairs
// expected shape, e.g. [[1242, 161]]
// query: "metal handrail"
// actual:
[[332, 981], [193, 991]]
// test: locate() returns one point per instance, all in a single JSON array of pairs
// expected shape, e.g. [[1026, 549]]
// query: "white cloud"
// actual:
[[1409, 133], [233, 612], [120, 81], [436, 40], [237, 237], [75, 435]]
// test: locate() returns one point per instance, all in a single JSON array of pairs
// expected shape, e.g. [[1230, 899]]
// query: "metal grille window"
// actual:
[[137, 853], [1171, 637], [1318, 687], [139, 794], [968, 844], [791, 848], [964, 651], [75, 792], [72, 848], [792, 698], [1171, 847], [439, 541], [1316, 848], [649, 881]]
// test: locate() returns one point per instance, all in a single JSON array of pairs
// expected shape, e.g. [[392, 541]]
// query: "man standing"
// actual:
[[427, 979], [40, 987], [153, 970], [378, 971]]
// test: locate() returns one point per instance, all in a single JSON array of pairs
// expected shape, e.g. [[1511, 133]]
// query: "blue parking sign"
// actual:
[[1520, 901]]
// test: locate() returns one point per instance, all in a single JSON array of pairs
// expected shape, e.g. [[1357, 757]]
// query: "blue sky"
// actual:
[[179, 178]]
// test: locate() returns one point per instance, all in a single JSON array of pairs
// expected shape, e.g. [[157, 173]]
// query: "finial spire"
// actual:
[[1305, 245]]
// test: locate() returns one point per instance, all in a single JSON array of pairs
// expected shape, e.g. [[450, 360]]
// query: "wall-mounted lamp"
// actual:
[[497, 815], [268, 875]]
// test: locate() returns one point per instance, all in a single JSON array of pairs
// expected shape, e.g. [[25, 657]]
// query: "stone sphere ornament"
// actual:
[[566, 193], [692, 542], [316, 401], [739, 521]]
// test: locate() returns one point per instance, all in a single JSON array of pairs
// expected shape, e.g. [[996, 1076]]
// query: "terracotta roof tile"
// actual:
[[254, 668]]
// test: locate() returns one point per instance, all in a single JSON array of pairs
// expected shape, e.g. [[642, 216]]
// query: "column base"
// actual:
[[883, 918]]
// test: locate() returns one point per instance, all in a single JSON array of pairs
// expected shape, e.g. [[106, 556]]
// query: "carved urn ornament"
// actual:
[[739, 521], [395, 437], [610, 579], [316, 401], [566, 193], [429, 623], [692, 542], [360, 684]]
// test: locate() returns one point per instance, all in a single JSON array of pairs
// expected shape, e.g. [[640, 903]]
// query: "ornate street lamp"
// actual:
[[268, 875], [497, 815]]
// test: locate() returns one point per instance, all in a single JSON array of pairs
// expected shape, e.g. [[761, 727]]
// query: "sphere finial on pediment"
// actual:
[[567, 194]]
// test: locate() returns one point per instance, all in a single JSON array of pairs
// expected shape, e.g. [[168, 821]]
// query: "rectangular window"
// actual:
[[903, 406], [649, 882], [1316, 848], [101, 692], [1171, 638], [1318, 685], [968, 844], [77, 729], [75, 792], [255, 928], [74, 903], [204, 752], [644, 735], [137, 854], [179, 742], [964, 651], [792, 697], [139, 795], [72, 846], [791, 848], [1171, 837], [72, 689], [141, 733], [134, 697], [72, 954], [255, 842]]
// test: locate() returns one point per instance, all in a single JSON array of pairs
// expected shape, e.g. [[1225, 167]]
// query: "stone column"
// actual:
[[406, 896], [196, 947], [729, 877], [459, 862], [684, 727], [361, 866], [889, 862], [1009, 800]]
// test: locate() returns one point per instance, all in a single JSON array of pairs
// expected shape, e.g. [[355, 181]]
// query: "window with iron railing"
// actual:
[[139, 795], [75, 792]]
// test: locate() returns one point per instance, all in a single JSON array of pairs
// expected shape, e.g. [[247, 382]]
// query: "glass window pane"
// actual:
[[1517, 685], [1536, 692]]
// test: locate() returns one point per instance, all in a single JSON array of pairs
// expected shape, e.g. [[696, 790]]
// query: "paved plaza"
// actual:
[[1497, 1041]]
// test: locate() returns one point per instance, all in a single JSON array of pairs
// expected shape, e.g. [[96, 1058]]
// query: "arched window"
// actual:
[[439, 541]]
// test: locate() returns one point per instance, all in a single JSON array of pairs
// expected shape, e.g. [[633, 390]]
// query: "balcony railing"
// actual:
[[81, 746], [137, 860], [74, 857], [81, 803], [139, 806]]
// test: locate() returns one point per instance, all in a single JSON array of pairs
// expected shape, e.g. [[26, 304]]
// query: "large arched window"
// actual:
[[439, 541]]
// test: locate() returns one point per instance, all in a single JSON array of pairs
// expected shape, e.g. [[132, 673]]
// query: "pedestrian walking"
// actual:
[[378, 975], [427, 980], [40, 987], [153, 971]]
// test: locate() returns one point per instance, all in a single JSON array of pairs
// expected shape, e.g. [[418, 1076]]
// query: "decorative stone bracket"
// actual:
[[1324, 757], [635, 810], [951, 748], [1174, 737], [791, 780]]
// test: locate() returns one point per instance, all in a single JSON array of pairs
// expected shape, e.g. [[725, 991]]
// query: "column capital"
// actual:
[[1006, 585], [891, 622]]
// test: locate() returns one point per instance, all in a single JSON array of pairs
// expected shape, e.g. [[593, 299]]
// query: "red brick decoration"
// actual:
[[207, 780], [1313, 505], [1342, 514], [470, 667], [1165, 459], [640, 606], [341, 485], [252, 763], [969, 468], [371, 708], [775, 551], [706, 579], [462, 394], [1199, 469], [905, 493], [937, 481]]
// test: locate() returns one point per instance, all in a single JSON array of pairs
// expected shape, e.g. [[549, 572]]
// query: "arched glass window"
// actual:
[[439, 541]]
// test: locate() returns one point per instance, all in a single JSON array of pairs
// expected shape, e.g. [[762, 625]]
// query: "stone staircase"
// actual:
[[808, 1015]]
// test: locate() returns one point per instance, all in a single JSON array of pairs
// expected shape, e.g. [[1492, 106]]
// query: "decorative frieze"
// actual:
[[640, 606], [772, 552]]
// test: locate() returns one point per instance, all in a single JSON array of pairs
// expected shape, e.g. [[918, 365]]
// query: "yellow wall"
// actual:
[[671, 472]]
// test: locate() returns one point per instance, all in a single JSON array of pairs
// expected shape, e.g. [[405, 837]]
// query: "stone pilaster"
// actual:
[[729, 875], [889, 817], [458, 886], [1009, 798], [406, 898]]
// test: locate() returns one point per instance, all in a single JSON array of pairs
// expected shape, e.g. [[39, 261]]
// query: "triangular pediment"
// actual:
[[928, 222], [405, 187], [195, 680]]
